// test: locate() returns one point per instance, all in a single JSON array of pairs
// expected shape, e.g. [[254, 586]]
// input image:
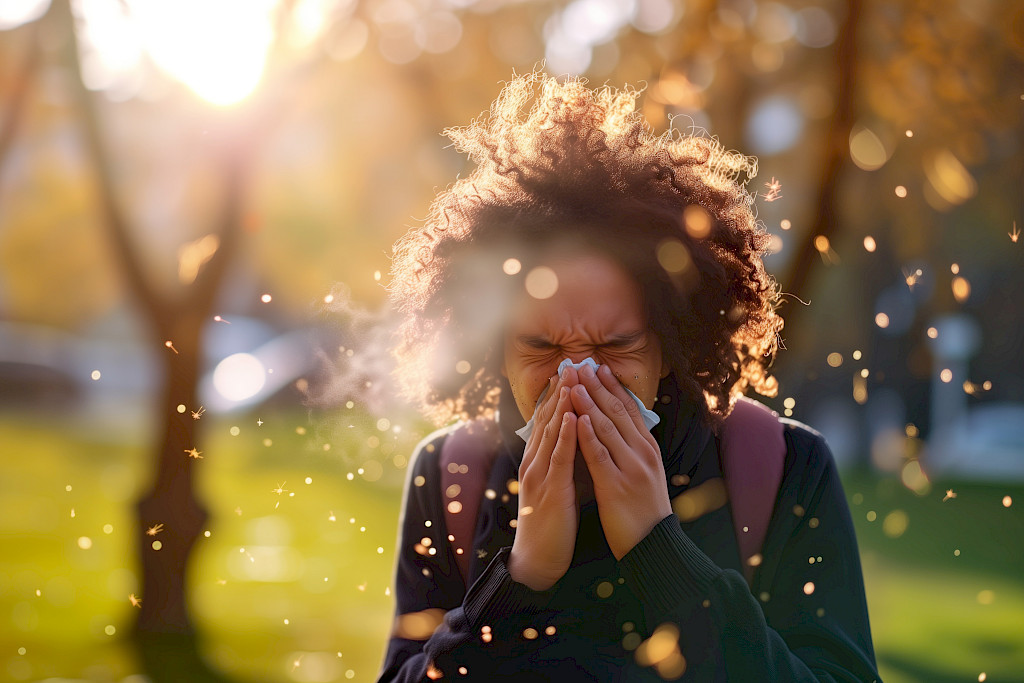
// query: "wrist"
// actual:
[[518, 571]]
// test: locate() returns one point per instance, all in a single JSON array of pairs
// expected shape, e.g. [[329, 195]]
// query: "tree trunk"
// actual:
[[170, 517], [171, 501], [834, 155]]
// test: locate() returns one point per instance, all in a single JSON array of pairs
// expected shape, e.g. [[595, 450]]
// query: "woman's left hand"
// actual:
[[623, 458]]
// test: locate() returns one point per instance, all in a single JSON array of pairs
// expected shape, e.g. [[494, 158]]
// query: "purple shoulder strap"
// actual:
[[466, 458], [753, 453]]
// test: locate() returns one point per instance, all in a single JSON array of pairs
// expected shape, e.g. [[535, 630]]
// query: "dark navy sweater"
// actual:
[[675, 607]]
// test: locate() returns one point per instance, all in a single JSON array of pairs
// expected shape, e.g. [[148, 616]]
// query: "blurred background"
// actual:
[[197, 203]]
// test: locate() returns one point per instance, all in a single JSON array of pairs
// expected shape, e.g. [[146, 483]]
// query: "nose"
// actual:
[[577, 358]]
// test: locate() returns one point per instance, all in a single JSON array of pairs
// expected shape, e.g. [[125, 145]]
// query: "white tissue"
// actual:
[[650, 417]]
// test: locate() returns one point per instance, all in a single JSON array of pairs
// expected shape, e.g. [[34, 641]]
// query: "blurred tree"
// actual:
[[163, 629]]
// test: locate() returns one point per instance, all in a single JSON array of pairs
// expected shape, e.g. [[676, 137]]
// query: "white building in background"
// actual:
[[983, 442]]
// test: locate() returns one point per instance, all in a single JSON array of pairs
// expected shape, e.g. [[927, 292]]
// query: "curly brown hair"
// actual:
[[581, 169]]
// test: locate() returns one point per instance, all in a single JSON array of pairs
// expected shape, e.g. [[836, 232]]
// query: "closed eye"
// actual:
[[536, 343], [624, 341]]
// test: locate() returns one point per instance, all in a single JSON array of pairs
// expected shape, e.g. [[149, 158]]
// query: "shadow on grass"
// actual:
[[175, 658]]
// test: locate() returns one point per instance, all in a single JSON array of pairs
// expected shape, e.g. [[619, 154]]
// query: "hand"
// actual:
[[548, 512], [623, 458]]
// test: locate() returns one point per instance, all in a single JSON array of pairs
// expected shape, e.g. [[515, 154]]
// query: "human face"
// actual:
[[596, 311]]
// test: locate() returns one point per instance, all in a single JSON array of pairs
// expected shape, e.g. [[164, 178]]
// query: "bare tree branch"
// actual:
[[17, 99], [155, 305]]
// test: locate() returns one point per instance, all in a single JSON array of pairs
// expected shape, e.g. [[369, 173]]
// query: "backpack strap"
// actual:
[[466, 458], [753, 451]]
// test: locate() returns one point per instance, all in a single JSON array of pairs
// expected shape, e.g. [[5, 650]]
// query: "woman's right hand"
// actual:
[[548, 511]]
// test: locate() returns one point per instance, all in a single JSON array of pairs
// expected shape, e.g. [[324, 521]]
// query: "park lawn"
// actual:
[[266, 612]]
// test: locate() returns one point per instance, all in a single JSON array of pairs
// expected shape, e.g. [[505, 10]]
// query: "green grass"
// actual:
[[268, 554], [947, 595]]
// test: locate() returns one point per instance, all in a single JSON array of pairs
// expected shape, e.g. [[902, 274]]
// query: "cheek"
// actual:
[[526, 388], [640, 378]]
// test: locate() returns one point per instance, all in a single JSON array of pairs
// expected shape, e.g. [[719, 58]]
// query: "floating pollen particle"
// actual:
[[911, 278], [136, 602], [219, 319], [774, 190], [154, 530], [169, 344], [950, 493], [193, 453]]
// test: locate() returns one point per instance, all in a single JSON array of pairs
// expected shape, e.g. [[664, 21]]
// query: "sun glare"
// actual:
[[14, 13], [216, 47]]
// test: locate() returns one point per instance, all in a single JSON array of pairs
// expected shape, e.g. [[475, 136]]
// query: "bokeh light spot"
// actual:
[[673, 256], [239, 376], [541, 283]]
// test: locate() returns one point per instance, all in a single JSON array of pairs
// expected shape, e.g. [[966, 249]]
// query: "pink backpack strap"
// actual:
[[753, 451], [466, 458]]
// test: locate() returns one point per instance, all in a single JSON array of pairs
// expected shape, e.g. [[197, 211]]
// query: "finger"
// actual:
[[616, 402], [603, 426], [550, 432], [611, 382], [541, 415], [563, 457], [595, 455]]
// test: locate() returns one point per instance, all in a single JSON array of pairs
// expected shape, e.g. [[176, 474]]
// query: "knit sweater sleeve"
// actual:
[[482, 628], [809, 620]]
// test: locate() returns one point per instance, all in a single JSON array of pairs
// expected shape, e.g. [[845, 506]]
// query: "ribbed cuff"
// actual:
[[495, 596], [666, 569]]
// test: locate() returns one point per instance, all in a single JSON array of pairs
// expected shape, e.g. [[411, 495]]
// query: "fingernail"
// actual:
[[565, 418], [588, 371]]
